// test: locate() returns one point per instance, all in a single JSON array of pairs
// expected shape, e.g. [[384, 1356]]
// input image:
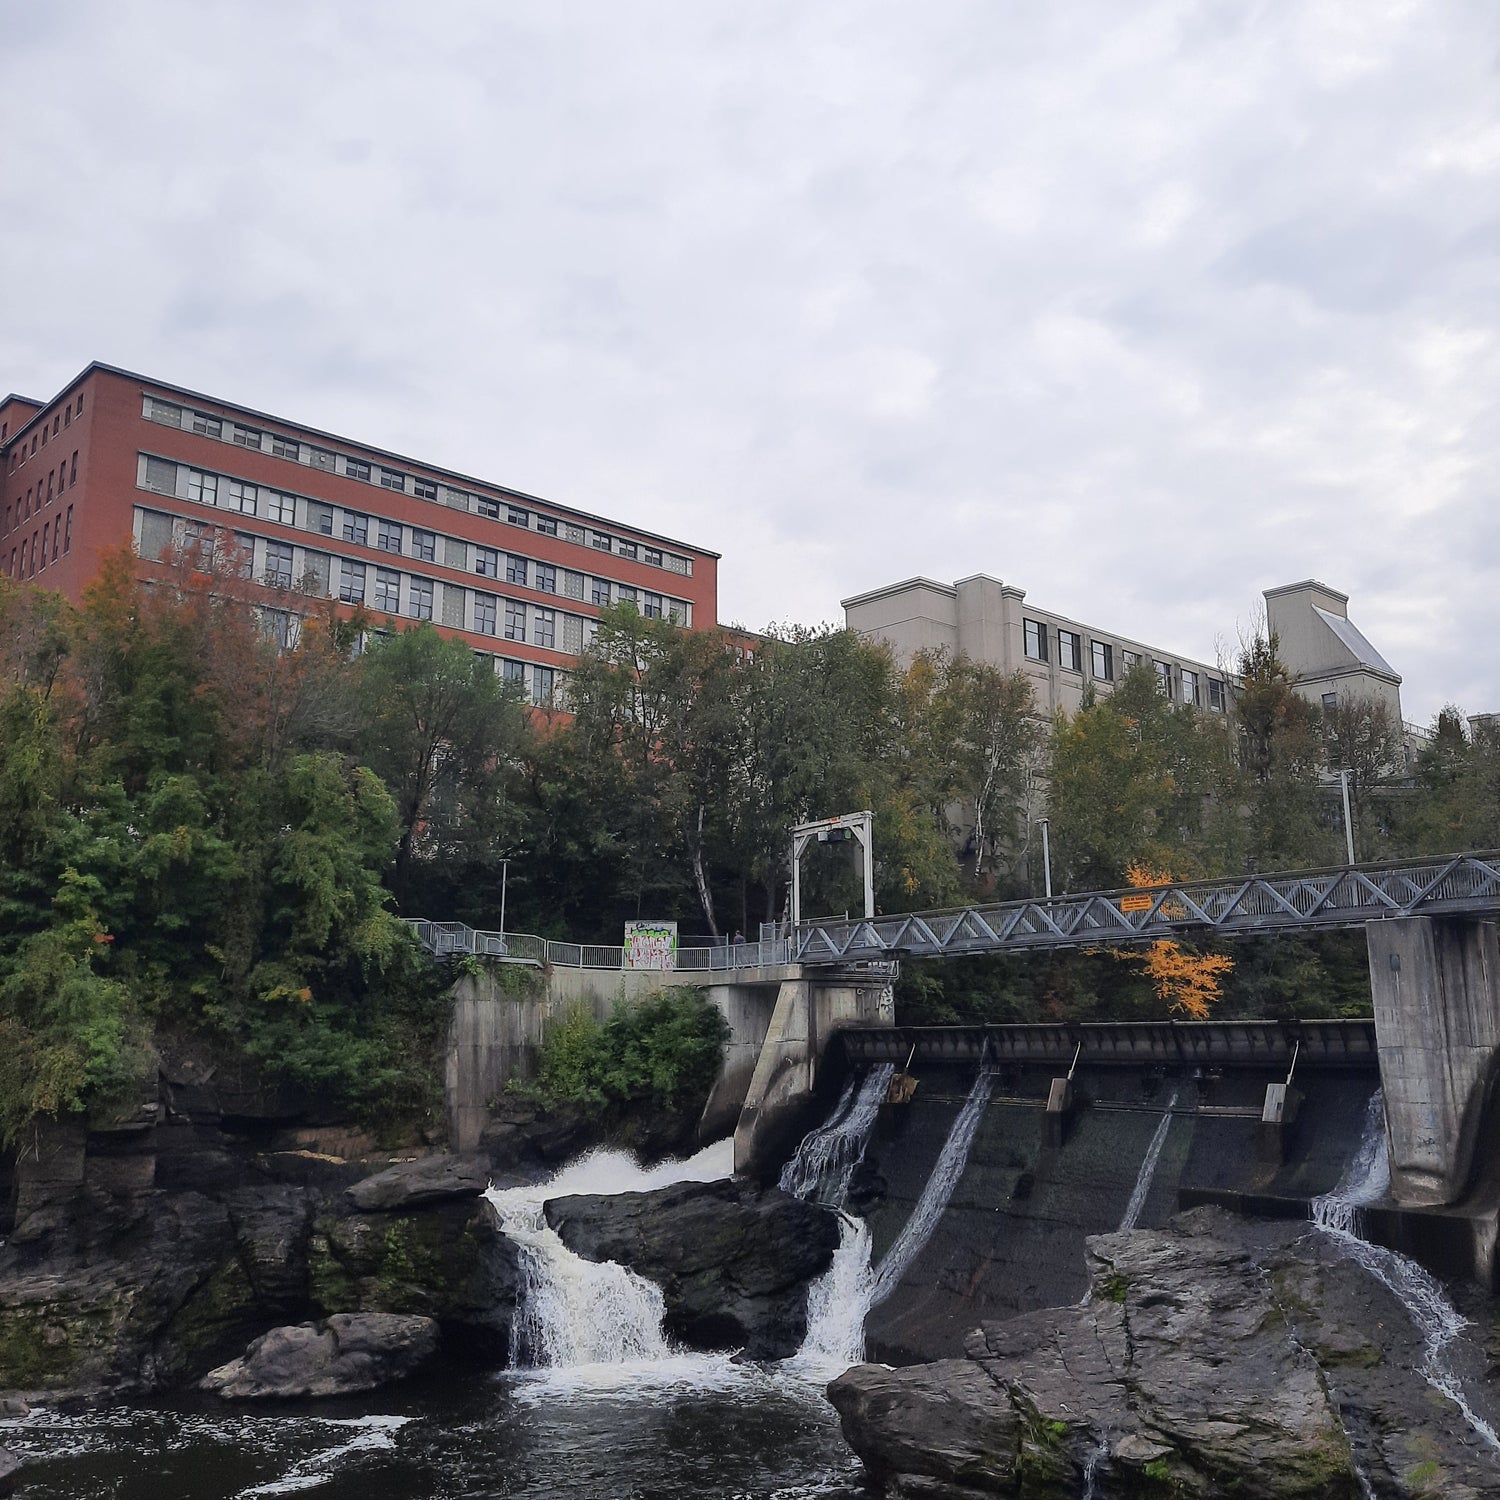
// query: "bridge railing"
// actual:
[[1464, 884], [448, 939]]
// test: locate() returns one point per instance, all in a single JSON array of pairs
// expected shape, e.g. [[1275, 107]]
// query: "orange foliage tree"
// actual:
[[1189, 982]]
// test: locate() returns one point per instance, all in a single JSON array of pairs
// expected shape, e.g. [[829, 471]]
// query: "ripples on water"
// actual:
[[694, 1426]]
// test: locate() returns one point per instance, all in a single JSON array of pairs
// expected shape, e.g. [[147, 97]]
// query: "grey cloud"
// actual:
[[1143, 308]]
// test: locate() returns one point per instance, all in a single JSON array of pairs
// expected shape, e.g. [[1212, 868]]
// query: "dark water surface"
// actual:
[[703, 1428]]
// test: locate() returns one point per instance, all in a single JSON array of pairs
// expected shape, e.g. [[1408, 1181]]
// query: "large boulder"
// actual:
[[10, 1471], [733, 1261], [348, 1352], [413, 1184], [1214, 1357], [449, 1261], [937, 1426], [101, 1294]]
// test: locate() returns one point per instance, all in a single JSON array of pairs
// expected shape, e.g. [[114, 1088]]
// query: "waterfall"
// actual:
[[1366, 1180], [839, 1300], [570, 1311], [826, 1159], [951, 1162], [837, 1303], [1143, 1178]]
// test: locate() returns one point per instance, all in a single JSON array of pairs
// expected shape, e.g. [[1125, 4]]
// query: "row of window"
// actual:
[[544, 686], [60, 420], [1037, 641], [53, 539], [169, 414], [388, 591], [166, 477], [39, 496]]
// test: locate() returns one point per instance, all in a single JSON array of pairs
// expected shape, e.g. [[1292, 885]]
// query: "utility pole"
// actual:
[[1348, 821], [1046, 858]]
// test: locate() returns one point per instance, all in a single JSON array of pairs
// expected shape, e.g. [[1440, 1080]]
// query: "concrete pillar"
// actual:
[[1059, 1109], [1437, 1025], [784, 1072], [807, 1014], [747, 1008]]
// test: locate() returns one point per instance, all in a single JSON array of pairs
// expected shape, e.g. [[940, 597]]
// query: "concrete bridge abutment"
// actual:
[[1435, 983], [809, 1010]]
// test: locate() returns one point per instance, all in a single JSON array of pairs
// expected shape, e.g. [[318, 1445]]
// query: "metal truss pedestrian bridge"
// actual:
[[1460, 885]]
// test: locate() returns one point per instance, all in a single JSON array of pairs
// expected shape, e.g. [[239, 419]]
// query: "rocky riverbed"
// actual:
[[1213, 1358]]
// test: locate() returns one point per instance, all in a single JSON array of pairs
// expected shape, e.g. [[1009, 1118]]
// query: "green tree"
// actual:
[[444, 733], [1279, 812]]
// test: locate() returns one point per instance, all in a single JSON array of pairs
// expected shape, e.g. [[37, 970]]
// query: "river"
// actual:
[[693, 1427]]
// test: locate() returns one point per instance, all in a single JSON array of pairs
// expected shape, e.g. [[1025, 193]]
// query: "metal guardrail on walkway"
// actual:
[[448, 939], [1456, 885]]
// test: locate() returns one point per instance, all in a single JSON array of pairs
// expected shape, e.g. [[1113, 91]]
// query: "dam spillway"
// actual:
[[1012, 1237]]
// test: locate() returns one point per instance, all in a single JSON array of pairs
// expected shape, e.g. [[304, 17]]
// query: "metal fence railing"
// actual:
[[447, 939]]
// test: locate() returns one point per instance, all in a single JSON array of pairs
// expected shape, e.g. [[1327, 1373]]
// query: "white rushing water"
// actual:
[[951, 1162], [836, 1306], [571, 1312], [1142, 1189], [825, 1161], [1366, 1180]]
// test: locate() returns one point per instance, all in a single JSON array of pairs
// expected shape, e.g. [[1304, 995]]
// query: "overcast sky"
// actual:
[[1142, 307]]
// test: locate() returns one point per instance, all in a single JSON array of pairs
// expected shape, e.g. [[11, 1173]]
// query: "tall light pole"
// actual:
[[1046, 857], [504, 873], [1348, 822]]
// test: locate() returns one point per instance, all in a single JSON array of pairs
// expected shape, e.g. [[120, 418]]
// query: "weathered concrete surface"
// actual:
[[807, 1013], [1436, 988], [494, 1034], [748, 1009]]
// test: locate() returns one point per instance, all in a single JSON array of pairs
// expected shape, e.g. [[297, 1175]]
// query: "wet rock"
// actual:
[[272, 1231], [10, 1471], [1179, 1372], [1216, 1357], [348, 1352], [522, 1134], [428, 1179], [450, 1262], [936, 1427], [733, 1261], [119, 1294]]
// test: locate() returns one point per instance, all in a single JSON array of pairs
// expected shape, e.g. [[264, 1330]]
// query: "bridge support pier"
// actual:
[[808, 1011], [1436, 987]]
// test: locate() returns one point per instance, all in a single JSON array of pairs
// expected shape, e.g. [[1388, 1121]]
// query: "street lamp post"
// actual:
[[504, 874], [1046, 858], [1348, 821]]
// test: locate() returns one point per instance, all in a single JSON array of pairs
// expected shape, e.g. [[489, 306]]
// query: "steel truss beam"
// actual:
[[1308, 901]]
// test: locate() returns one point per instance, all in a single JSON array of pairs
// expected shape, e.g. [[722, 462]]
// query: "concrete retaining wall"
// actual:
[[493, 1036]]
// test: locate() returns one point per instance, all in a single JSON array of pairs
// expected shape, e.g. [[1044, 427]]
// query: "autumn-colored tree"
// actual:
[[1191, 983]]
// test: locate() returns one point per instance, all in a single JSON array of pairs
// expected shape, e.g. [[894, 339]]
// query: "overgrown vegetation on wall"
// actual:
[[661, 1053]]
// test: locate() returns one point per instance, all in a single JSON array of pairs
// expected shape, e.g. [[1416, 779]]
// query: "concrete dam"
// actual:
[[1157, 1127]]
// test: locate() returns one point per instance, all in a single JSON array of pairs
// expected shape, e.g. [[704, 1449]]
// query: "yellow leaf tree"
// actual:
[[1189, 982]]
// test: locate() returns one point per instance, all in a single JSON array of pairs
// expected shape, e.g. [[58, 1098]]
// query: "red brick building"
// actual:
[[116, 457]]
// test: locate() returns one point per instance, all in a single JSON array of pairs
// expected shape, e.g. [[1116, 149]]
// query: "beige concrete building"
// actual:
[[990, 621], [1327, 654]]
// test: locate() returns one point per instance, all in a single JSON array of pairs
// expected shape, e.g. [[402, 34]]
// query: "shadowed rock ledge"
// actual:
[[1211, 1359], [733, 1261]]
